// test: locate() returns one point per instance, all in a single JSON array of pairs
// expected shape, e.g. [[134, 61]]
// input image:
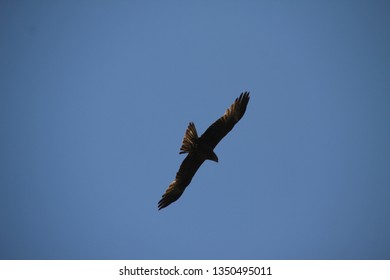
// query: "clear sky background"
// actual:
[[95, 97]]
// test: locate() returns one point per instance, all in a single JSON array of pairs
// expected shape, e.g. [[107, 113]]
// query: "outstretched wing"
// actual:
[[187, 170], [224, 124]]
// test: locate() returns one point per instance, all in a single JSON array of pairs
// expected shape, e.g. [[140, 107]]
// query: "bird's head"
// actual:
[[213, 157]]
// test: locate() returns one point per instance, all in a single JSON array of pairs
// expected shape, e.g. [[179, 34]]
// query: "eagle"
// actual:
[[201, 148]]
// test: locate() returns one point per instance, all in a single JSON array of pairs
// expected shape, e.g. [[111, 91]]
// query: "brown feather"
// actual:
[[190, 139], [225, 124]]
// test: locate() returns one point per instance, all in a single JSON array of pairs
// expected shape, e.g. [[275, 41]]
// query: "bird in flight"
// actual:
[[201, 148]]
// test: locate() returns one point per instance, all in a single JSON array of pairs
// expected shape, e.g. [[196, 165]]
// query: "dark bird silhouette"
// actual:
[[201, 148]]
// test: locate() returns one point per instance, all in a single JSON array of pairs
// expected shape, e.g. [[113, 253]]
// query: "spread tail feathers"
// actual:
[[190, 139]]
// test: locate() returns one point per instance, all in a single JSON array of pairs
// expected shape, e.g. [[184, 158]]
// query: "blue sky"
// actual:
[[95, 97]]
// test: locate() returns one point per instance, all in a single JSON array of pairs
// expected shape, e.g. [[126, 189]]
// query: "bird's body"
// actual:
[[201, 148]]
